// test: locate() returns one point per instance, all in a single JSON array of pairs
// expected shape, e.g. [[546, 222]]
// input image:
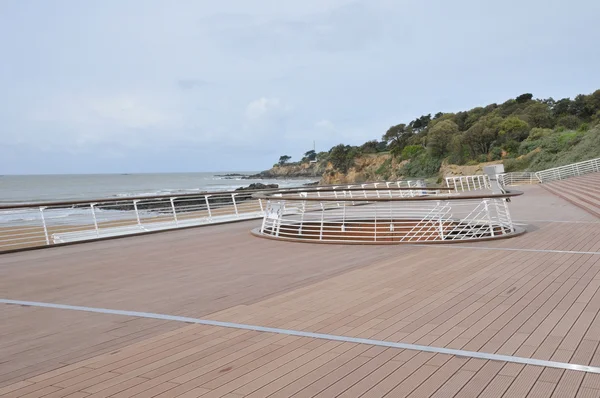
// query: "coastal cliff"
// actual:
[[523, 133], [371, 167], [294, 170]]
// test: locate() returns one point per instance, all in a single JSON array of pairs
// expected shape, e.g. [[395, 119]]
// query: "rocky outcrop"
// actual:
[[257, 186], [301, 170]]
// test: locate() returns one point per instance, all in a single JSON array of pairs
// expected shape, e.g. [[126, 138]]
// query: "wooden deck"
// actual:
[[533, 296]]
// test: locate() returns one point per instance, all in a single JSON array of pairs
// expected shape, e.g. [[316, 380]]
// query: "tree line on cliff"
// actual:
[[523, 132]]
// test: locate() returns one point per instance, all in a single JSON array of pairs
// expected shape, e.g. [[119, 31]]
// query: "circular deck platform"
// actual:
[[386, 216]]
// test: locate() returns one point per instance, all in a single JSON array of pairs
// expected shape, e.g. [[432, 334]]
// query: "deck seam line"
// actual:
[[323, 336]]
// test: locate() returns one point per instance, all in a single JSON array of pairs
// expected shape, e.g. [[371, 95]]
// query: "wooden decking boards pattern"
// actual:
[[541, 304]]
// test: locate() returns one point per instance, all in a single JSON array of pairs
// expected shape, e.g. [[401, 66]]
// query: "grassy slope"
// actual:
[[556, 148]]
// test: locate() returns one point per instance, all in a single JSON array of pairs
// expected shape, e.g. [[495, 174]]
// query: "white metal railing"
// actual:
[[432, 215], [468, 183], [482, 181], [45, 224], [28, 226], [570, 170], [518, 178]]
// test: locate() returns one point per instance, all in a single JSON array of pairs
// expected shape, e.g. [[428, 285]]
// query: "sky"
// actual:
[[116, 86]]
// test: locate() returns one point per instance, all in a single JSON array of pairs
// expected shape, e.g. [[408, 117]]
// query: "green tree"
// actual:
[[482, 135], [473, 116], [283, 159], [439, 136], [509, 107], [581, 107], [569, 122], [513, 128], [523, 98], [458, 152], [310, 155], [370, 147], [593, 101], [538, 115], [410, 151], [561, 107], [420, 123], [397, 137], [342, 157]]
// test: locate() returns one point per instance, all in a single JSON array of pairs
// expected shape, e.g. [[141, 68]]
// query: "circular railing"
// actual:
[[386, 216]]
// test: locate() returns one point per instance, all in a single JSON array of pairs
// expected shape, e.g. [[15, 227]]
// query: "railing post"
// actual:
[[438, 205], [235, 205], [302, 218], [507, 215], [95, 220], [174, 211], [260, 203], [487, 211], [262, 227], [44, 225], [137, 213], [375, 223], [208, 207], [322, 220], [278, 219], [343, 227]]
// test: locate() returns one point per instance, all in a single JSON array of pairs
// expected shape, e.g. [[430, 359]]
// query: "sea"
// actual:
[[46, 188]]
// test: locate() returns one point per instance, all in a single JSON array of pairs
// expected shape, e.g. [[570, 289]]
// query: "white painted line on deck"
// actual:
[[299, 333], [508, 249], [561, 221]]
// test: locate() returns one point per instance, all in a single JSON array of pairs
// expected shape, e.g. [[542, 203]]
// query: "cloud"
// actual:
[[194, 86], [349, 27], [265, 108], [325, 125], [190, 84], [83, 123]]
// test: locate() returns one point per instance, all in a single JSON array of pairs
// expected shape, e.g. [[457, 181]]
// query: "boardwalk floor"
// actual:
[[533, 296]]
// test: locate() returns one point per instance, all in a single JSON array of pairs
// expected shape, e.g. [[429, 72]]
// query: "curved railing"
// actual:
[[386, 216], [52, 223]]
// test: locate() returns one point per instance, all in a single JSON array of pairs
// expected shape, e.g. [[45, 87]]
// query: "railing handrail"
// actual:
[[271, 195], [569, 165], [387, 220], [23, 205], [551, 173]]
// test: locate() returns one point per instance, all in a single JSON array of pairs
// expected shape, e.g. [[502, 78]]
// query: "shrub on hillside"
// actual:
[[422, 166]]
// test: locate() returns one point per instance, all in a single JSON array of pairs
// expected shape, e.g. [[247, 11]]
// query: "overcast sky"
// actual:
[[191, 85]]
